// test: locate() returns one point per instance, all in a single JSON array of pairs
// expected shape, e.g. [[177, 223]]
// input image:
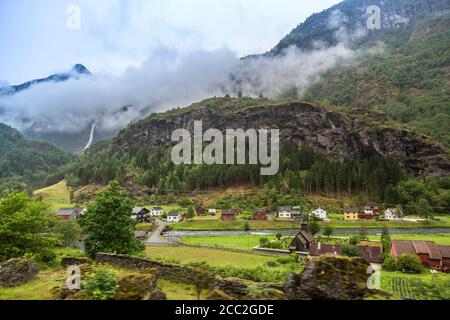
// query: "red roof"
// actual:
[[445, 251], [416, 247]]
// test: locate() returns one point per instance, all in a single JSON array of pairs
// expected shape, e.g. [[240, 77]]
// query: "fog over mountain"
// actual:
[[168, 78]]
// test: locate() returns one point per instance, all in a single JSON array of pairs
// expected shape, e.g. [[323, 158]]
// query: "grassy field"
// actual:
[[213, 257], [402, 286], [245, 242], [57, 196], [179, 291], [233, 225], [438, 238]]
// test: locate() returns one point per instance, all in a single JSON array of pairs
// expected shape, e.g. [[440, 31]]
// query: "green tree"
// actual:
[[24, 227], [424, 209], [409, 263], [350, 251], [67, 231], [328, 230], [314, 227], [246, 226], [190, 214], [109, 225]]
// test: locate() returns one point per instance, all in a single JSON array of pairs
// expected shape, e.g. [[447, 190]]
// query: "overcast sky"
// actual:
[[117, 34]]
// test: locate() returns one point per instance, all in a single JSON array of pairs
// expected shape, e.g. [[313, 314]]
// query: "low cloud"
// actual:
[[167, 79]]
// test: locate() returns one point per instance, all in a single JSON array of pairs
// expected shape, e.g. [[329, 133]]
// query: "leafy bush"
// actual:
[[350, 251], [409, 264], [389, 263], [101, 285]]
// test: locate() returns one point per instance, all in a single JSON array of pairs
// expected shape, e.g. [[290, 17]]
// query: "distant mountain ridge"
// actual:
[[351, 16], [77, 71]]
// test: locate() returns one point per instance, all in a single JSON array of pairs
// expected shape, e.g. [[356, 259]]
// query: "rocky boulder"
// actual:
[[139, 287], [330, 278], [16, 272]]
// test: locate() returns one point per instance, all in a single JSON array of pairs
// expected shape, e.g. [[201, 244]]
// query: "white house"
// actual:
[[212, 212], [284, 212], [391, 214], [174, 217], [319, 214], [157, 212]]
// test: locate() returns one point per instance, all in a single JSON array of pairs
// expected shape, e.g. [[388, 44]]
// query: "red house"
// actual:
[[367, 217], [201, 212], [431, 255], [259, 215], [228, 215]]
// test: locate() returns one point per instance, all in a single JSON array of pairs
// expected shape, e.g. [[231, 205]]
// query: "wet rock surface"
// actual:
[[329, 278]]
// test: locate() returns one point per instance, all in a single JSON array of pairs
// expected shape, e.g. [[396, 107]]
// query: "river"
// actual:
[[294, 231]]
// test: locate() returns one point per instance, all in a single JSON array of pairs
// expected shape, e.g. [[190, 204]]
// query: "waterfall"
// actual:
[[91, 137]]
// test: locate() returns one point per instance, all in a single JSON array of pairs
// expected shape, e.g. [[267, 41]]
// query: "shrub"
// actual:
[[101, 285], [389, 263], [354, 241], [350, 251], [263, 242], [409, 264], [272, 264]]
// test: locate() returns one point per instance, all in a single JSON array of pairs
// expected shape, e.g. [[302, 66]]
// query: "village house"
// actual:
[[303, 240], [391, 214], [228, 215], [370, 253], [430, 254], [212, 212], [174, 217], [371, 210], [351, 214], [157, 212], [260, 214], [285, 213], [296, 214], [319, 214], [67, 214], [140, 214], [201, 211]]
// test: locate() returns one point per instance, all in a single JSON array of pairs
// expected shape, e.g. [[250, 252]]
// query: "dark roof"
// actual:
[[306, 235], [415, 247], [157, 208], [351, 210], [173, 214], [228, 213], [370, 253], [138, 210], [67, 211], [445, 251]]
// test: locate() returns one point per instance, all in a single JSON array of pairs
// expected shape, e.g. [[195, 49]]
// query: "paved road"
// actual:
[[156, 238]]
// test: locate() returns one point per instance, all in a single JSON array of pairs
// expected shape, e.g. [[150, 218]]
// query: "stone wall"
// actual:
[[165, 270]]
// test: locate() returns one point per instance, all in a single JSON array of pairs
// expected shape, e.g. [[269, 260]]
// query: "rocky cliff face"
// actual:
[[301, 123]]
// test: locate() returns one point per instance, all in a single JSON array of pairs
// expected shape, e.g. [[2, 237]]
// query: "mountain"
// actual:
[[351, 17], [402, 69], [77, 71], [26, 163]]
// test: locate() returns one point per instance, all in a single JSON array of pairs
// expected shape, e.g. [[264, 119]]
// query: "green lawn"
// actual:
[[213, 257], [438, 238], [246, 242]]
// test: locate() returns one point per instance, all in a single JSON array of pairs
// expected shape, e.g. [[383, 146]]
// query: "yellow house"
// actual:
[[351, 214]]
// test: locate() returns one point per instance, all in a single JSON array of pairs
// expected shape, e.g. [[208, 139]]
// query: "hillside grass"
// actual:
[[57, 196], [213, 257]]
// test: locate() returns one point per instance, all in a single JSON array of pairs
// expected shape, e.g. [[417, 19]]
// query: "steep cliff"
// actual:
[[339, 135]]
